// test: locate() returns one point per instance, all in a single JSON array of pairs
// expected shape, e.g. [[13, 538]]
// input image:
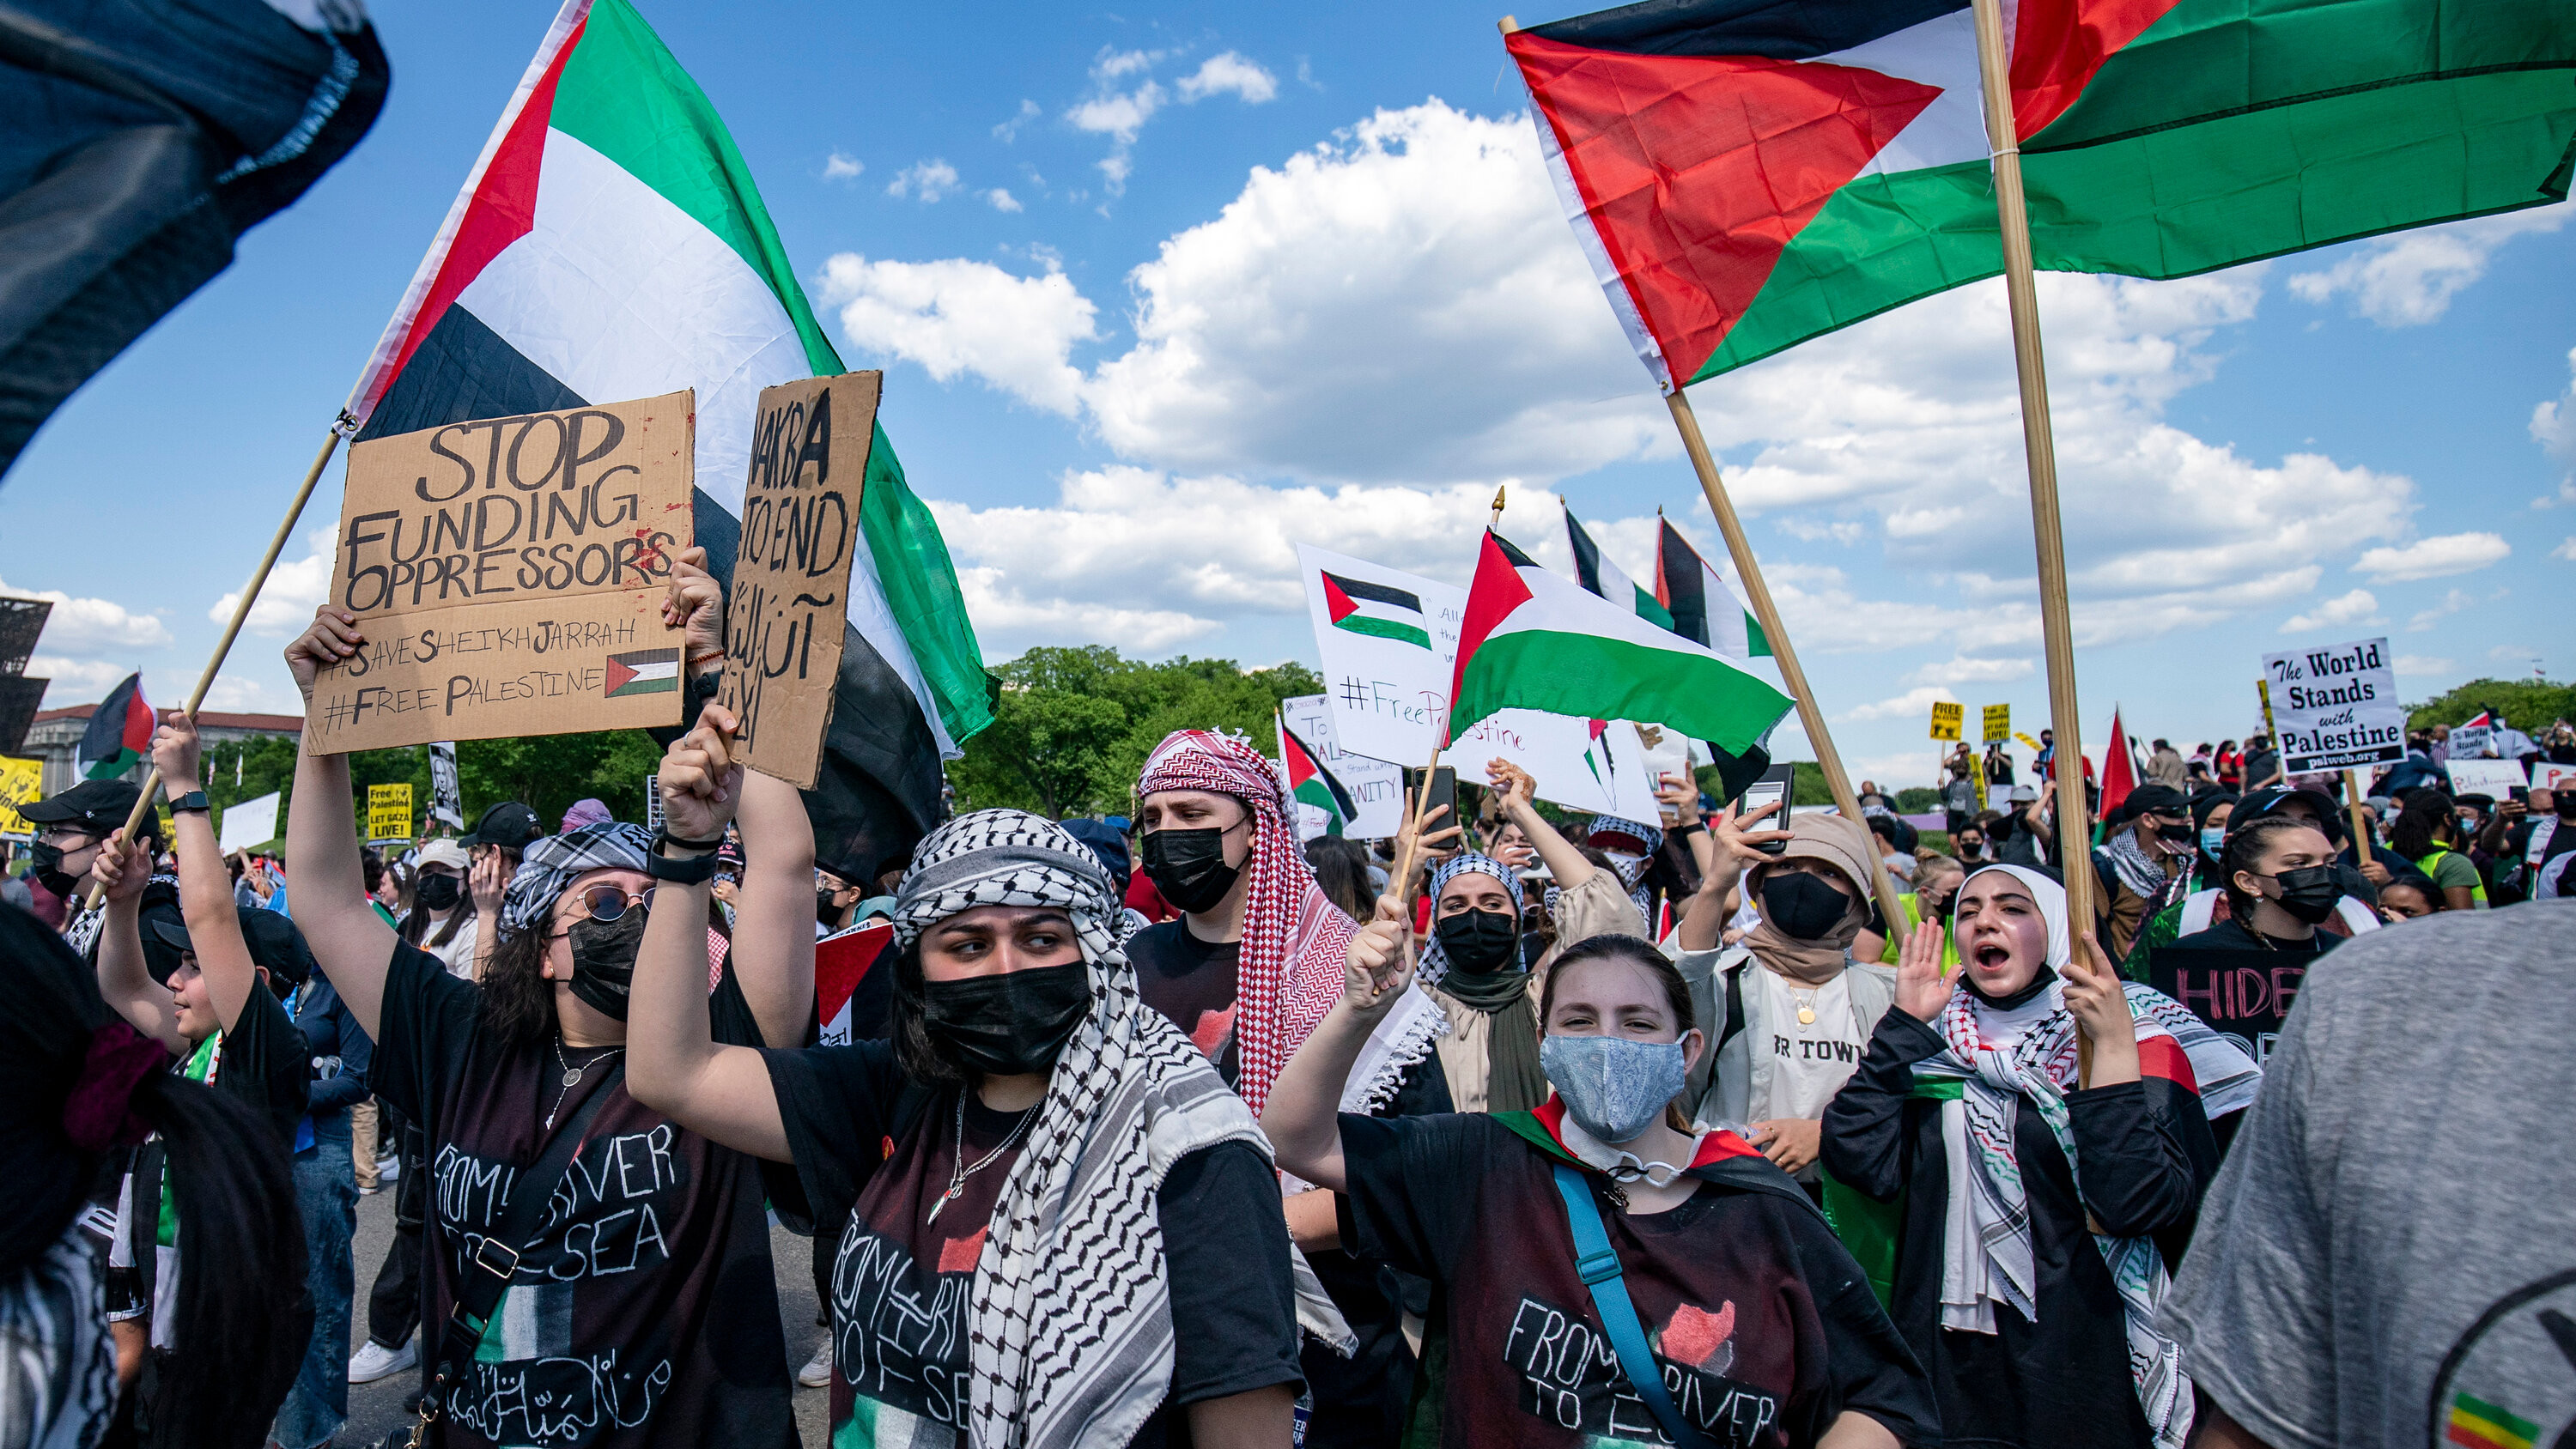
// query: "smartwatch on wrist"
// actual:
[[683, 870], [193, 800]]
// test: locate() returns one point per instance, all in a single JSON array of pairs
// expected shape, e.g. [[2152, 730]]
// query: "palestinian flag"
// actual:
[[1746, 176], [2120, 773], [1377, 610], [1598, 574], [645, 671], [1312, 783], [609, 243], [1531, 640], [120, 731], [842, 962], [1703, 604]]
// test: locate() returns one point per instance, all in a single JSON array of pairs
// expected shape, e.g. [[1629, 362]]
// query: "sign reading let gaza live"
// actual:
[[508, 577], [2336, 706]]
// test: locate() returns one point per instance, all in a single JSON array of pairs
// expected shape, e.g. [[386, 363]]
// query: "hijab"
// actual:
[[1515, 1080], [1845, 847]]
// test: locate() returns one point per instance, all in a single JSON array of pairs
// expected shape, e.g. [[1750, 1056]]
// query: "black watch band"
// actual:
[[193, 800], [695, 870], [1689, 828]]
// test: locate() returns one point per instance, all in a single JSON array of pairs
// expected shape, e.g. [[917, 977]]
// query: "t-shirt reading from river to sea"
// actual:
[[646, 1312], [903, 1282], [1764, 1328], [1192, 983]]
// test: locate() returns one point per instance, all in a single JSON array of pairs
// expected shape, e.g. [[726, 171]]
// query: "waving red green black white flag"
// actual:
[[1745, 175]]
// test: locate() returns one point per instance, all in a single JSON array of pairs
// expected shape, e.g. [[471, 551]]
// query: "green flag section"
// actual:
[[1312, 783], [1531, 640], [1744, 177], [119, 735]]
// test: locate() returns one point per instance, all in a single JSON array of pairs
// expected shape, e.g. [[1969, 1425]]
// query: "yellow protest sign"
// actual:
[[20, 782], [1946, 718], [1998, 723], [2263, 691], [389, 811], [2028, 741]]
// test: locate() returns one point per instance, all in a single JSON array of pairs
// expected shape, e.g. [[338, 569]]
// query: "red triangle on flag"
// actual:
[[1697, 170], [841, 962], [619, 676], [1337, 603], [1293, 754]]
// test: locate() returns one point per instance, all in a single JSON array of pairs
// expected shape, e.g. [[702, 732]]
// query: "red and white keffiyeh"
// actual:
[[1296, 943]]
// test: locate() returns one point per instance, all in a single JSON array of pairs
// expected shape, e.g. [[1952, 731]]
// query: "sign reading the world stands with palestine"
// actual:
[[508, 576], [2336, 706]]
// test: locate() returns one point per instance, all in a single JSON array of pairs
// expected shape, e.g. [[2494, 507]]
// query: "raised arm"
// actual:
[[1732, 848], [1300, 1119], [205, 887], [1514, 789], [323, 871], [673, 1064], [123, 980]]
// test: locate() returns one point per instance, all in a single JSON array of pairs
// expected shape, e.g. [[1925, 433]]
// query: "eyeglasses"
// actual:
[[65, 834], [607, 903]]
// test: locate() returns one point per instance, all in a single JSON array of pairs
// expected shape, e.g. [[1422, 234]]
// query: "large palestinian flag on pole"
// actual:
[[1594, 570], [1745, 175], [609, 243], [1532, 640], [1703, 604], [119, 734]]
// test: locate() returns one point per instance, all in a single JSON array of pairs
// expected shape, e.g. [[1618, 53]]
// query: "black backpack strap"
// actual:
[[1734, 1011], [495, 1260]]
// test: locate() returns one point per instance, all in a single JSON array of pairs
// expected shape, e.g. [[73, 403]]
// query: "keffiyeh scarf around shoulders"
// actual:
[[1070, 1324], [1296, 943], [1988, 1257]]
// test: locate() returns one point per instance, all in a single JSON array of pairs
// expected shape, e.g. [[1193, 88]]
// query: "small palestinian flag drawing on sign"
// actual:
[[645, 671], [1376, 610], [1310, 782]]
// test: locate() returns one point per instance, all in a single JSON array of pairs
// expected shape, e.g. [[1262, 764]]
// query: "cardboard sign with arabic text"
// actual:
[[508, 575]]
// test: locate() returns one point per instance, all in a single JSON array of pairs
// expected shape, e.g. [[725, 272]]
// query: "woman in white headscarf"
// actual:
[[1966, 1106]]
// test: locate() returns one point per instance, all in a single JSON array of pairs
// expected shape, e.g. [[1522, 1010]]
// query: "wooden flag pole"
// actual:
[[232, 630], [2057, 633], [2352, 806], [1758, 594]]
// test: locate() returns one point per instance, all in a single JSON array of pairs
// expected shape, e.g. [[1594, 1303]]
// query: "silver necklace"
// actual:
[[957, 1175], [572, 1076]]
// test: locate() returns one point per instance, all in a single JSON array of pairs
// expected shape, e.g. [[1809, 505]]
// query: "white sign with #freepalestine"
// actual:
[[2336, 706]]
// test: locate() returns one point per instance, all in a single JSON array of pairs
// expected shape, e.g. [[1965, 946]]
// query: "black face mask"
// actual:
[[46, 860], [1188, 867], [827, 907], [1005, 1026], [2176, 834], [439, 892], [2310, 892], [603, 961], [1801, 906], [1479, 940]]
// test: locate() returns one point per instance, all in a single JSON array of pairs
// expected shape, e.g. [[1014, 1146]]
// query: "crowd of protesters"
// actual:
[[1174, 1129]]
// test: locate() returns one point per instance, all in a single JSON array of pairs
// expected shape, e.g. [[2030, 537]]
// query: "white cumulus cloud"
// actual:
[[293, 591], [2352, 608], [2452, 603], [2409, 279], [926, 180], [1912, 702], [842, 166], [79, 626], [1001, 199], [1009, 130], [957, 316], [2433, 558], [2420, 665], [1229, 72]]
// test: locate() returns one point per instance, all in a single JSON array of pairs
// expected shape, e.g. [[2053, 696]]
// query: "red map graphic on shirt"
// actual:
[[1694, 1337], [958, 1255]]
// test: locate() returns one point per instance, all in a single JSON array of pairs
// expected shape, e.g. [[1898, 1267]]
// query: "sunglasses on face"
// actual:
[[607, 903]]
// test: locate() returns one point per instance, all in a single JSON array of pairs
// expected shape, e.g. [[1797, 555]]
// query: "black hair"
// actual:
[[1341, 869], [518, 1000], [1636, 951], [371, 864], [245, 1326], [915, 1049], [2423, 813], [2246, 845], [2418, 882]]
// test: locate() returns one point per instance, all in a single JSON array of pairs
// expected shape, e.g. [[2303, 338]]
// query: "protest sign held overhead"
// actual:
[[508, 576], [446, 802], [791, 574], [20, 782], [2336, 706], [2474, 739], [2493, 778], [1998, 724], [1336, 792], [1946, 718], [248, 824], [389, 811]]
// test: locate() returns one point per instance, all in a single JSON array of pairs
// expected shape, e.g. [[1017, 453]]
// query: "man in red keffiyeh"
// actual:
[[1257, 955]]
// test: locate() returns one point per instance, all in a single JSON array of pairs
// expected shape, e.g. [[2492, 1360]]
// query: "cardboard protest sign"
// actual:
[[20, 782], [446, 802], [254, 822], [508, 576], [1946, 718], [2336, 706], [1374, 789], [791, 576], [2496, 778], [2246, 994], [2544, 776], [1998, 724], [389, 812], [1389, 642]]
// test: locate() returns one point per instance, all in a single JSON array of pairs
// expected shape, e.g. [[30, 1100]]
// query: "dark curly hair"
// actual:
[[518, 1000]]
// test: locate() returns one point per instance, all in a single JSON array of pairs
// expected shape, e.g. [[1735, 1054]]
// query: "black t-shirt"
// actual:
[[1762, 1324], [263, 1063], [2231, 935], [646, 1313], [902, 1281], [1192, 982]]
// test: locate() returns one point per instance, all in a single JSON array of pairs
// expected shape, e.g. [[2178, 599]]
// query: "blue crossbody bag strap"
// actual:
[[1599, 1268]]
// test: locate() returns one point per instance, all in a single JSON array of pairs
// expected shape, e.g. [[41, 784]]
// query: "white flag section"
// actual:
[[1375, 787], [249, 823], [1388, 692]]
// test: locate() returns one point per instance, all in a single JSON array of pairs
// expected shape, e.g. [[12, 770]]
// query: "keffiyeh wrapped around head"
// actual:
[[555, 861], [1075, 1238], [1435, 961], [1630, 844], [1295, 942]]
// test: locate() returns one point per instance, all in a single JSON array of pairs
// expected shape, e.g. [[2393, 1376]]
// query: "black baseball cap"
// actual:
[[273, 940], [94, 805], [509, 824], [2162, 799]]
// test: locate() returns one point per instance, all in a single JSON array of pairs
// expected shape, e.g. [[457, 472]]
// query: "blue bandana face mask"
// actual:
[[1613, 1087]]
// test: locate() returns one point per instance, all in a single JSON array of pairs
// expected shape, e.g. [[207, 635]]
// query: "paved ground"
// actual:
[[383, 1406]]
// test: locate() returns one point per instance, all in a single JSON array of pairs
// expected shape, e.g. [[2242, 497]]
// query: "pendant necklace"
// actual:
[[1806, 1007], [957, 1175], [572, 1076]]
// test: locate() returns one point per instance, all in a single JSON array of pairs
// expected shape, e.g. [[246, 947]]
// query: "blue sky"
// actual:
[[1284, 274]]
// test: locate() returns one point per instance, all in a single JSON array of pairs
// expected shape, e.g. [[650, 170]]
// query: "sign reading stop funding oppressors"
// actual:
[[2336, 706], [791, 578], [508, 576]]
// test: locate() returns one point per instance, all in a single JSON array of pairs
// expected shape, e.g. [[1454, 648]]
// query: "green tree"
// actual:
[[2531, 705], [545, 772]]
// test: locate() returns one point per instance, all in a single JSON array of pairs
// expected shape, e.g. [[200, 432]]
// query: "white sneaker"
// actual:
[[817, 1372], [376, 1361], [388, 1168]]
